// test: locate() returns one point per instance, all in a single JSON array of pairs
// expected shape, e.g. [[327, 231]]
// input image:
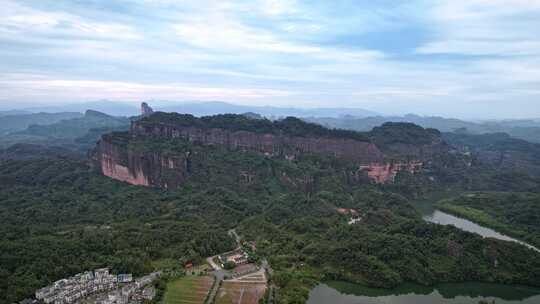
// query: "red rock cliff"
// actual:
[[140, 168], [269, 144], [386, 172], [153, 169]]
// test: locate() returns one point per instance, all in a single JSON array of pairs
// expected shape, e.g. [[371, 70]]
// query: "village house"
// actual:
[[125, 278], [237, 257], [81, 285]]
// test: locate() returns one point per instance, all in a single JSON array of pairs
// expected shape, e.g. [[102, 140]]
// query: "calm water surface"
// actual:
[[443, 218], [463, 293]]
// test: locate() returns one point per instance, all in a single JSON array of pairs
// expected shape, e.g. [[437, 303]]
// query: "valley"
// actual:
[[269, 152], [321, 205]]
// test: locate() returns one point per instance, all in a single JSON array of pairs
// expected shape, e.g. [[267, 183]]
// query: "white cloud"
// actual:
[[273, 52], [482, 47], [22, 20], [482, 27], [219, 33], [27, 86], [277, 7]]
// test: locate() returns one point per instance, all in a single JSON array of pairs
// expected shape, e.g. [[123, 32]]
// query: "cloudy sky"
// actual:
[[462, 58]]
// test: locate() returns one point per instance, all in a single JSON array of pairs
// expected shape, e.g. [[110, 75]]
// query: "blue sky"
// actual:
[[460, 58]]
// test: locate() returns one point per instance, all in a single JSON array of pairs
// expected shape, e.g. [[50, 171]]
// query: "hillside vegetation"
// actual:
[[59, 216], [516, 214]]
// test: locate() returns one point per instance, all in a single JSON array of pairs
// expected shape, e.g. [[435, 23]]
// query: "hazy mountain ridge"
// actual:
[[213, 108], [78, 133], [14, 112], [72, 128], [18, 122], [343, 118], [198, 109], [527, 129]]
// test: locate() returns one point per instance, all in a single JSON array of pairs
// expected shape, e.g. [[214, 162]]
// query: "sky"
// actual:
[[455, 58]]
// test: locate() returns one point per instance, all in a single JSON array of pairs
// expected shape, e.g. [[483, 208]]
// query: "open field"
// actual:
[[242, 293], [245, 268], [188, 290], [243, 290]]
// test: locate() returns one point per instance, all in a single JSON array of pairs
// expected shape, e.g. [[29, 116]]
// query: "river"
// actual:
[[456, 293], [462, 293], [442, 218]]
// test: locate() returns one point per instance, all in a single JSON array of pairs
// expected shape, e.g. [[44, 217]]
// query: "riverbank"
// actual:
[[516, 215], [442, 218], [481, 218], [339, 292]]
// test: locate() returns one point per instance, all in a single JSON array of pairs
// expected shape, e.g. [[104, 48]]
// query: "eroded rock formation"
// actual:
[[386, 172], [117, 159], [269, 144], [141, 168], [146, 109]]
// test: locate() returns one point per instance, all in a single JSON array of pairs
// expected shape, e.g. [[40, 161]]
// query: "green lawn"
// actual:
[[188, 290]]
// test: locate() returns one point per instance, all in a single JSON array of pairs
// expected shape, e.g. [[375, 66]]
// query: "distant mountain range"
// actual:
[[66, 129], [13, 121], [201, 109], [13, 112], [213, 108], [109, 107], [341, 118], [527, 129]]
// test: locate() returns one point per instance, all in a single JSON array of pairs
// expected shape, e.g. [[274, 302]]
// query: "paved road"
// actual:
[[220, 273], [210, 261], [266, 266], [213, 292]]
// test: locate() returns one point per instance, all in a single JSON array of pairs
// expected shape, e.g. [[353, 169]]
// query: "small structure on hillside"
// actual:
[[238, 257], [355, 216]]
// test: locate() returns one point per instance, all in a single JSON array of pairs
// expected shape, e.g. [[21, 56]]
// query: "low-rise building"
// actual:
[[125, 278], [238, 257], [72, 289]]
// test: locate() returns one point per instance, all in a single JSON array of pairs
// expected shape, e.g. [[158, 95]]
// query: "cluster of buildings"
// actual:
[[238, 257], [136, 292], [90, 283]]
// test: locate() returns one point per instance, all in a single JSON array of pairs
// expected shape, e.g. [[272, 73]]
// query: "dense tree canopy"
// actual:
[[59, 217]]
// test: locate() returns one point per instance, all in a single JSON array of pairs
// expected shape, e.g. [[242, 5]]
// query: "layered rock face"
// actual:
[[289, 147], [386, 172], [116, 159], [140, 168]]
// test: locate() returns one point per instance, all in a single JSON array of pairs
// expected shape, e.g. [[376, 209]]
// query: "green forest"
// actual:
[[514, 213], [59, 216]]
